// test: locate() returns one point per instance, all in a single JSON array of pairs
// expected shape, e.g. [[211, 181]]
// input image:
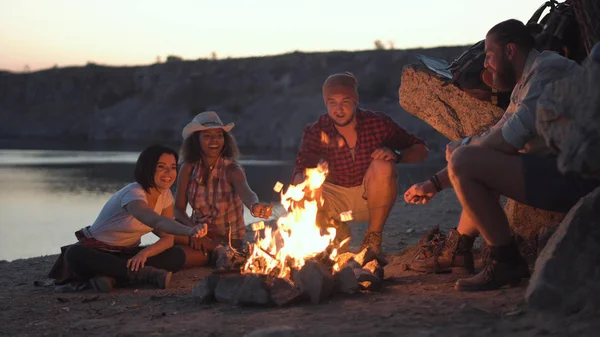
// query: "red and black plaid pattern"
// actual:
[[322, 141]]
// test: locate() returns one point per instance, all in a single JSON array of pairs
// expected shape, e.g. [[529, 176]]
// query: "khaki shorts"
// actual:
[[340, 199]]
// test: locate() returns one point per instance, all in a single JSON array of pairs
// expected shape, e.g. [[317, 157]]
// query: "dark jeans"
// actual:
[[85, 262], [548, 189]]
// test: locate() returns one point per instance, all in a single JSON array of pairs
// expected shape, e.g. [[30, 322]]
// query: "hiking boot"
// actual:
[[446, 254], [103, 284], [151, 276], [373, 240], [507, 267]]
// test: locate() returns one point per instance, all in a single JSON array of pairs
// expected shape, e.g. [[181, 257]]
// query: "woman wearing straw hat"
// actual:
[[215, 186]]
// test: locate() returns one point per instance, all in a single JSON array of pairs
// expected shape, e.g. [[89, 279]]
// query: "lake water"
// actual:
[[50, 191]]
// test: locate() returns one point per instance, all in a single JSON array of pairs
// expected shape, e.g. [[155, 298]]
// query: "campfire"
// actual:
[[294, 258]]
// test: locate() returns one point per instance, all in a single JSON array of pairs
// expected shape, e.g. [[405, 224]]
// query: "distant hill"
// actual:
[[269, 98]]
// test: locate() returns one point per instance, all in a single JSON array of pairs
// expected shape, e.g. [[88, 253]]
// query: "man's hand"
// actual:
[[451, 147], [420, 193], [383, 153], [137, 262]]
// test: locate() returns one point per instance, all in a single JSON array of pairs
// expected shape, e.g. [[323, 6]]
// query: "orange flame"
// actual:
[[297, 236], [324, 138]]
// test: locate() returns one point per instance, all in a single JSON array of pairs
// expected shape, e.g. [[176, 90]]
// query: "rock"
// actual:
[[345, 281], [223, 257], [526, 222], [375, 268], [343, 259], [367, 280], [204, 292], [283, 292], [566, 277], [274, 331], [568, 118], [252, 291], [315, 281], [410, 231], [365, 256], [227, 287], [544, 236], [449, 110]]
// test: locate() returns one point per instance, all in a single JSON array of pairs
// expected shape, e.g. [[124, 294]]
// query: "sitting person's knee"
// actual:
[[461, 161], [74, 253], [382, 169]]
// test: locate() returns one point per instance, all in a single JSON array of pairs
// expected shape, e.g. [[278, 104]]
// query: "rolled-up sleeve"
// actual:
[[519, 129]]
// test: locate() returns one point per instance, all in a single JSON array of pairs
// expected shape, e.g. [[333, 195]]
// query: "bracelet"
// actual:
[[435, 180], [252, 208]]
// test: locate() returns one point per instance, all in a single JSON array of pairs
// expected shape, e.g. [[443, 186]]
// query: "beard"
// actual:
[[504, 76]]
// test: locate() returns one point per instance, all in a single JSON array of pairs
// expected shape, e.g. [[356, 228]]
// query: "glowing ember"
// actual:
[[297, 236]]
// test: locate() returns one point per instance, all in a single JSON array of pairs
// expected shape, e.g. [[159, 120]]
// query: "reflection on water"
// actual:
[[49, 194]]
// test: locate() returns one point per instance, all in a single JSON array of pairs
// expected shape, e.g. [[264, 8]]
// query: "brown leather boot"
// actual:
[[452, 253], [507, 267], [373, 240]]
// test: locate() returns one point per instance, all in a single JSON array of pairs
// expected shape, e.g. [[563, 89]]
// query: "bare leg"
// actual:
[[193, 258], [381, 192], [478, 174]]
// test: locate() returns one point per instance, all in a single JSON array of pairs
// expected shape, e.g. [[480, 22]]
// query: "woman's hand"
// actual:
[[262, 210], [138, 261], [199, 231]]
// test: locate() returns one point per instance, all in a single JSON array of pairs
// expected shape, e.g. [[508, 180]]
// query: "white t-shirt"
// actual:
[[117, 227]]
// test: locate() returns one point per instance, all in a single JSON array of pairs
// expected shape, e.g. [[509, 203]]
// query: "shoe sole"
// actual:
[[512, 284], [453, 270]]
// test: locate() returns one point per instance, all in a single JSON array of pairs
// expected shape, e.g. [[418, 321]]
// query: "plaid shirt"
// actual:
[[322, 141]]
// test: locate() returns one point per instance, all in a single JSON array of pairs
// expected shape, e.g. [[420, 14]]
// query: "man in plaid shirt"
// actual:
[[361, 148]]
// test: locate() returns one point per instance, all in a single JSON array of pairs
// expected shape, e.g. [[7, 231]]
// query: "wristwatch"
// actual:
[[465, 141], [398, 156]]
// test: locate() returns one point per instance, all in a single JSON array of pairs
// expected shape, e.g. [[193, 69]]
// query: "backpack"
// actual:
[[557, 31]]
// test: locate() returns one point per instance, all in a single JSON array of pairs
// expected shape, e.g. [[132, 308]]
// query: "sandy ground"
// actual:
[[411, 304]]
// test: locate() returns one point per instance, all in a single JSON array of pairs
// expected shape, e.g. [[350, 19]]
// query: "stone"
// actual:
[[204, 291], [315, 281], [375, 268], [223, 258], [227, 287], [365, 256], [252, 291], [343, 259], [526, 222], [345, 281], [283, 292], [367, 280], [449, 110], [566, 276], [568, 118]]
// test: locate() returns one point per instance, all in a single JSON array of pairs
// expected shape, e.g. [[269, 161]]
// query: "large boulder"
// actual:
[[456, 115], [449, 110], [567, 272], [568, 117]]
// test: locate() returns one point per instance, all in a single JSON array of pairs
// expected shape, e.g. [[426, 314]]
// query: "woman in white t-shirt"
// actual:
[[109, 252]]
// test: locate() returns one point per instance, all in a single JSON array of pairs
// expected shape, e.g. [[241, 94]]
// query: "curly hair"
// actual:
[[191, 151]]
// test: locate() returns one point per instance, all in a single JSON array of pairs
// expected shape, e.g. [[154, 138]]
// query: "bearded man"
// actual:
[[511, 159]]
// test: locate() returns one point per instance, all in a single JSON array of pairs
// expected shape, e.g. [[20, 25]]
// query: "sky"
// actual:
[[39, 34]]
